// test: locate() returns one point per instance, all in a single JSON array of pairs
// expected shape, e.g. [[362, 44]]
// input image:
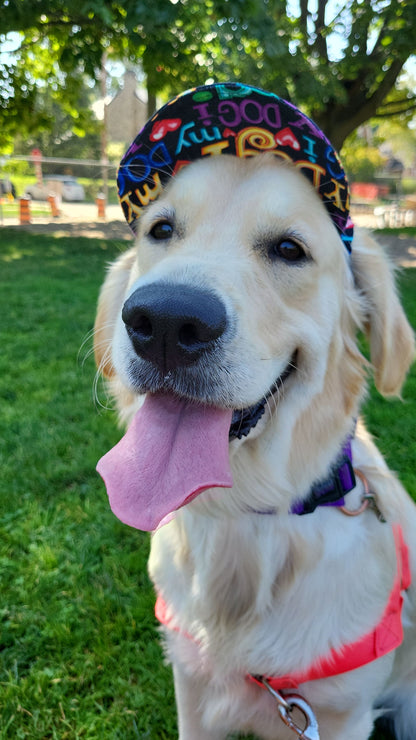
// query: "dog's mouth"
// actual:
[[244, 420], [174, 450]]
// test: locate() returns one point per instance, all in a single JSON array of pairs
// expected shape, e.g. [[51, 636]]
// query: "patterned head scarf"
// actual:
[[230, 119]]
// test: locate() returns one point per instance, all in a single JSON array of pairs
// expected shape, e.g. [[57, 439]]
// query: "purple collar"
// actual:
[[330, 491]]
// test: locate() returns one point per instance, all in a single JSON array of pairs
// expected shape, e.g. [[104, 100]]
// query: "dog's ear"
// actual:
[[109, 305], [392, 346]]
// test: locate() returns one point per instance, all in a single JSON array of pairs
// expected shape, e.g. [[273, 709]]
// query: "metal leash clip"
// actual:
[[286, 704]]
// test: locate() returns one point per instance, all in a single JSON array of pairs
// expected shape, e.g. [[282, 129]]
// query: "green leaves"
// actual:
[[339, 62]]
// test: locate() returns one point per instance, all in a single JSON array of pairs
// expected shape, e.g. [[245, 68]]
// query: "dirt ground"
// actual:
[[82, 220], [402, 249]]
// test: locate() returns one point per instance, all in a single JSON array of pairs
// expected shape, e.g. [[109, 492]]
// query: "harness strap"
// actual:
[[385, 637]]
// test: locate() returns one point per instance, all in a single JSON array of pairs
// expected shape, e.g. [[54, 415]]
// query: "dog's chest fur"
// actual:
[[253, 591]]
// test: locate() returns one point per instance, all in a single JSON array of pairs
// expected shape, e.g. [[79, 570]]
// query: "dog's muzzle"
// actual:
[[173, 326]]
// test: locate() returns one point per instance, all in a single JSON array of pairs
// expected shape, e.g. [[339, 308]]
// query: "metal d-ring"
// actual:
[[367, 497]]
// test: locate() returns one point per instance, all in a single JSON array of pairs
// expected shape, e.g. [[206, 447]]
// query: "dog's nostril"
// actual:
[[188, 335], [142, 325]]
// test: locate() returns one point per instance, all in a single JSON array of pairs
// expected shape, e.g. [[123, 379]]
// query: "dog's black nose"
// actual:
[[173, 325]]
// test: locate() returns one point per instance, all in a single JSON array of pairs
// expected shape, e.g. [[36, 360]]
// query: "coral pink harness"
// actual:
[[384, 638]]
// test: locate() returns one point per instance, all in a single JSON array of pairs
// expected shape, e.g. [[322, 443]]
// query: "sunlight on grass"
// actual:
[[79, 652]]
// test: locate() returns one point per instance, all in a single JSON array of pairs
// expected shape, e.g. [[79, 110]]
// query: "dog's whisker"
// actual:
[[90, 351], [274, 398], [89, 337], [98, 377]]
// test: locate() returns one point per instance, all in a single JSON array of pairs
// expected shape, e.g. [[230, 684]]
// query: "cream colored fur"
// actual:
[[268, 594]]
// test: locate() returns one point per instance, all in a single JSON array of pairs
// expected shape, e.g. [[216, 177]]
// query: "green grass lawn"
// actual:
[[79, 654], [11, 209]]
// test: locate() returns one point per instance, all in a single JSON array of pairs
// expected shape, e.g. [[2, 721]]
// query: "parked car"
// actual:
[[66, 187]]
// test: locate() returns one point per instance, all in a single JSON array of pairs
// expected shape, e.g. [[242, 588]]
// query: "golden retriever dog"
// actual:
[[283, 548]]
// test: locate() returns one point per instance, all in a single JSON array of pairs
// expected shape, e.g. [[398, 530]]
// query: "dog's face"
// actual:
[[244, 271], [239, 294]]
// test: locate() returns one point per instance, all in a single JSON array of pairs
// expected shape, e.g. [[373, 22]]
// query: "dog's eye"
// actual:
[[287, 250], [161, 230]]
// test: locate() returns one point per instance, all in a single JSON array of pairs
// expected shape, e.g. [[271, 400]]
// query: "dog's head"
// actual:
[[237, 312]]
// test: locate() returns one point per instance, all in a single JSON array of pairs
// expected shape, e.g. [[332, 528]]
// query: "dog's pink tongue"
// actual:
[[172, 451]]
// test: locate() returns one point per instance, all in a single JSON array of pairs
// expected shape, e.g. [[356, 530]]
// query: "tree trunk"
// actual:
[[104, 158], [340, 120], [151, 101]]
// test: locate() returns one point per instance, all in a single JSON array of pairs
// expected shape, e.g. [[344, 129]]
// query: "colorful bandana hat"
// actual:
[[230, 119]]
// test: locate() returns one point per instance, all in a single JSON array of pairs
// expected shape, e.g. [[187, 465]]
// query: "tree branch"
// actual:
[[345, 118], [386, 83], [320, 42], [390, 113], [399, 102], [304, 17]]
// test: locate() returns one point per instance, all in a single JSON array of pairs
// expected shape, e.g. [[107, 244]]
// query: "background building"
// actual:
[[126, 113]]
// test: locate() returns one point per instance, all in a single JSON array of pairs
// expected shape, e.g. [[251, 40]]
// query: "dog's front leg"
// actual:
[[189, 692]]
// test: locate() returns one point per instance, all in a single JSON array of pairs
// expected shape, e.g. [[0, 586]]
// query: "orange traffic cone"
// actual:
[[53, 202], [100, 202], [25, 211]]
